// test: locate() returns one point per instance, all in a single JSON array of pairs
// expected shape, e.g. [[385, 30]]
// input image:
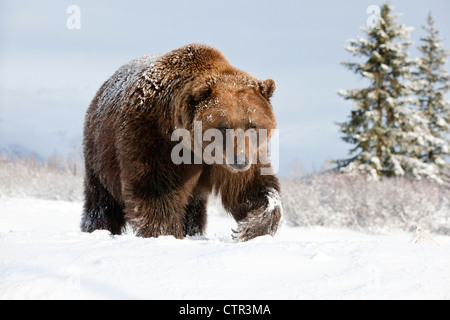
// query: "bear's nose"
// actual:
[[240, 163]]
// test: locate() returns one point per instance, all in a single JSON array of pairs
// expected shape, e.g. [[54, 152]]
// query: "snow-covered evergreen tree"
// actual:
[[385, 131], [431, 84]]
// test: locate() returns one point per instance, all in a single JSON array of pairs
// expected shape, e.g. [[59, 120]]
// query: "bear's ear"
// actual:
[[267, 88]]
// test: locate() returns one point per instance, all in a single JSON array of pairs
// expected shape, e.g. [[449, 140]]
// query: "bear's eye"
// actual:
[[223, 126], [200, 95]]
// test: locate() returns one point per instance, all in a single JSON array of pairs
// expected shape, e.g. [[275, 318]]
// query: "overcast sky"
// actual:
[[49, 73]]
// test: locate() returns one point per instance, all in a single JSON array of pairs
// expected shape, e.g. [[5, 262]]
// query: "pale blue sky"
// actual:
[[49, 74]]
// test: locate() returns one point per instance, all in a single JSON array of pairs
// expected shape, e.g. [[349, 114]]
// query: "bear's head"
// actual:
[[227, 111]]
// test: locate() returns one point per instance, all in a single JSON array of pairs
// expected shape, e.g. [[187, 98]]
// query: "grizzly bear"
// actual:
[[131, 178]]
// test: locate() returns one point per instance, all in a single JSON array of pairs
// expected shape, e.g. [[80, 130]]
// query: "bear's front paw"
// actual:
[[258, 223]]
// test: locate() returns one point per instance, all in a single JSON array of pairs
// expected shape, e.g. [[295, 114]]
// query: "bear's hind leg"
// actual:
[[101, 210], [195, 218]]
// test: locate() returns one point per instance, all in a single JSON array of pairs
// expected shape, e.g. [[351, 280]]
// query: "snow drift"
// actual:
[[45, 256]]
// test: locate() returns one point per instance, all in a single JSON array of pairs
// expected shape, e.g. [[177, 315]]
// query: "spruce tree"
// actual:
[[385, 131], [431, 84]]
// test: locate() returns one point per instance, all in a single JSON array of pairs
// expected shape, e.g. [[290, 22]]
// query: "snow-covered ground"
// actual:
[[43, 255]]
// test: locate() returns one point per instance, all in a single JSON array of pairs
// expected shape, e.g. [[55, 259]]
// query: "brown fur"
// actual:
[[127, 146]]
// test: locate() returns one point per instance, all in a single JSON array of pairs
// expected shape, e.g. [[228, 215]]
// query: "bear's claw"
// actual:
[[258, 223]]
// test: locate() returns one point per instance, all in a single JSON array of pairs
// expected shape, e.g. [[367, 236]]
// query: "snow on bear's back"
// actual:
[[126, 80]]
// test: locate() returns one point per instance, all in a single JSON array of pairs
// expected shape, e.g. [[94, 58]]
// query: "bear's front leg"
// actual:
[[261, 221], [153, 217], [258, 210], [154, 201]]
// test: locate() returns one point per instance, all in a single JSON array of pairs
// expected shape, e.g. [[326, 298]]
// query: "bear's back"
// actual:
[[122, 84]]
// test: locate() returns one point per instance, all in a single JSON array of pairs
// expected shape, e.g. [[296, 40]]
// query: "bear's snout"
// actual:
[[240, 163]]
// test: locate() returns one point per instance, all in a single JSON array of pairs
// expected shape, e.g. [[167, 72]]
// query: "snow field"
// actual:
[[45, 256]]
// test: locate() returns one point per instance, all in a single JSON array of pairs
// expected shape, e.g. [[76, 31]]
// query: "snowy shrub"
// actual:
[[336, 200], [327, 199], [55, 179]]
